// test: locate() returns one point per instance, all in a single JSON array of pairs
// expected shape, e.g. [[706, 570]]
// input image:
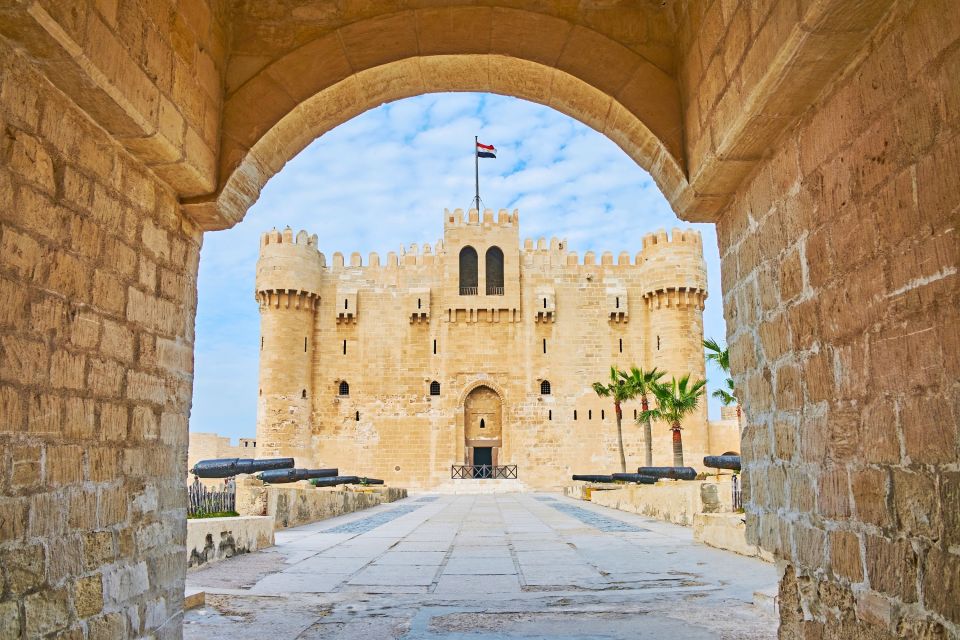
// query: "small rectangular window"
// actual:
[[658, 343], [618, 302], [304, 345], [590, 414], [544, 303], [574, 414], [544, 345], [621, 345], [550, 414], [261, 343], [434, 347], [344, 303], [344, 347]]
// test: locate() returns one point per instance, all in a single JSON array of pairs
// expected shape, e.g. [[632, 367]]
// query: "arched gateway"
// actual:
[[482, 427]]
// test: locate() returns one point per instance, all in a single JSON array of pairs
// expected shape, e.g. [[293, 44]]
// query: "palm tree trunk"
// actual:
[[623, 459], [647, 434], [677, 446]]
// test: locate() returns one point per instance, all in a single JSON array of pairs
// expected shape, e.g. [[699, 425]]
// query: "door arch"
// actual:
[[482, 426]]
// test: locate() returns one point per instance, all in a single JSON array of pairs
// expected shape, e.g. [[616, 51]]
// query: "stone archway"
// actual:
[[814, 134], [482, 425]]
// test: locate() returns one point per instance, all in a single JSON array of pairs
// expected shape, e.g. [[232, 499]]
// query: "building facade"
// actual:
[[478, 350]]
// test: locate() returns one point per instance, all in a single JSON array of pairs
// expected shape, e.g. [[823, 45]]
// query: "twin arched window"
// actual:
[[434, 388], [344, 388], [469, 271], [545, 388]]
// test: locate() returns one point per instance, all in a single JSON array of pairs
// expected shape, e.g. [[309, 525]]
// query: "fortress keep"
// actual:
[[474, 351]]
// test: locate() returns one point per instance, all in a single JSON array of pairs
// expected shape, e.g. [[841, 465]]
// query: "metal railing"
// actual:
[[483, 472], [494, 291], [468, 291], [202, 501], [737, 492]]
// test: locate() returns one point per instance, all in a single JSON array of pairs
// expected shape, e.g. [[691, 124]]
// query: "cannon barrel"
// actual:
[[722, 462], [639, 478], [370, 481], [228, 467], [334, 481], [671, 473], [281, 476], [592, 478]]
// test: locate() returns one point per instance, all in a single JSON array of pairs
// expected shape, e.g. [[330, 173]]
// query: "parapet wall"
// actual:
[[673, 264]]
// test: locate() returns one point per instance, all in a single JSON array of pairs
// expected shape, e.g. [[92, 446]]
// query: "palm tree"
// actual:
[[643, 383], [721, 355], [675, 400], [620, 391]]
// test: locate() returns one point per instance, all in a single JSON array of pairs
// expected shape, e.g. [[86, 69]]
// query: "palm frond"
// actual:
[[718, 354]]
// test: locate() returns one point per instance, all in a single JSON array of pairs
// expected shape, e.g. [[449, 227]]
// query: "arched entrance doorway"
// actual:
[[482, 427]]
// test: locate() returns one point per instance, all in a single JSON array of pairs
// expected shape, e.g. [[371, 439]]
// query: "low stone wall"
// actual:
[[213, 539], [726, 531], [298, 503], [673, 501]]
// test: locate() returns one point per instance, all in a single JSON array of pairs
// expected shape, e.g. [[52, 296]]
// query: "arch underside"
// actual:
[[265, 126]]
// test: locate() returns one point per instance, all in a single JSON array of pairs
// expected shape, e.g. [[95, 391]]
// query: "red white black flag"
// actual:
[[486, 150]]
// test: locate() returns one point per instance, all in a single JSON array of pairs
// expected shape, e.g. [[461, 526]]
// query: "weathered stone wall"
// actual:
[[671, 501], [726, 531], [214, 539], [841, 293], [98, 282], [298, 503]]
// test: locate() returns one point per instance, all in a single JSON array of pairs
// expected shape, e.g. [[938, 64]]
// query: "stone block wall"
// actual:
[[299, 503], [671, 501], [841, 292], [214, 539], [98, 289]]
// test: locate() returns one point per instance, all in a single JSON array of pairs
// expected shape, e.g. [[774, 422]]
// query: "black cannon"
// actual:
[[370, 481], [281, 476], [229, 467], [639, 478], [722, 462], [671, 473], [592, 478], [334, 481]]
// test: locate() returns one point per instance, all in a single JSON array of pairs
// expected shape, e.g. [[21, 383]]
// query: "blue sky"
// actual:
[[383, 179]]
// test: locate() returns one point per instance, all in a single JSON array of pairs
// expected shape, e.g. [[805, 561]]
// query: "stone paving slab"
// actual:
[[485, 567]]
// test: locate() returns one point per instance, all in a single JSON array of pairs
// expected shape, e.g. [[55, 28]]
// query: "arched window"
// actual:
[[545, 388], [344, 388], [483, 424], [434, 388], [469, 278], [494, 269], [303, 394]]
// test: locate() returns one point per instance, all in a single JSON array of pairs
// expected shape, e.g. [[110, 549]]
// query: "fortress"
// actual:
[[475, 351]]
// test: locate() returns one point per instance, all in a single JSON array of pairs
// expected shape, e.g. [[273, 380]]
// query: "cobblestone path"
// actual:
[[484, 567]]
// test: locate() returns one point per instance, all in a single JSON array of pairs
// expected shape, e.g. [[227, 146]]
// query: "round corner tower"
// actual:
[[289, 273], [674, 292]]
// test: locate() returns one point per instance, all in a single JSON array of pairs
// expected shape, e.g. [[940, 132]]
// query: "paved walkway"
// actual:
[[479, 567]]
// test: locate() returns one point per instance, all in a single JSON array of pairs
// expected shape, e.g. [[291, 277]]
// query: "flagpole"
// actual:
[[476, 171]]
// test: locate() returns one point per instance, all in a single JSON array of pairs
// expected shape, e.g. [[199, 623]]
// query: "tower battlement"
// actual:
[[674, 265], [503, 218], [289, 263]]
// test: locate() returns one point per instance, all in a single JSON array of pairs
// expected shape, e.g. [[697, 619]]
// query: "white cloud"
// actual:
[[383, 179]]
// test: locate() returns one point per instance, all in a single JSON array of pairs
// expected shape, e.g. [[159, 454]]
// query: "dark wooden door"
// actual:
[[482, 456]]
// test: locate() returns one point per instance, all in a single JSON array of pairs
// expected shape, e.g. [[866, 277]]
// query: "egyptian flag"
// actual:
[[486, 150]]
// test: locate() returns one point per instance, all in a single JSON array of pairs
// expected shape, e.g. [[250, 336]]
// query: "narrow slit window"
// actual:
[[345, 301], [434, 347], [574, 414], [621, 345], [544, 345], [304, 344], [590, 414], [483, 425], [357, 416], [544, 303], [550, 414], [618, 302], [634, 414], [303, 394], [344, 347], [418, 303], [658, 343], [261, 343], [603, 414]]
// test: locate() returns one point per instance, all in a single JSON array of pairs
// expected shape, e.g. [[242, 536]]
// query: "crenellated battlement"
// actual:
[[682, 239], [503, 218]]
